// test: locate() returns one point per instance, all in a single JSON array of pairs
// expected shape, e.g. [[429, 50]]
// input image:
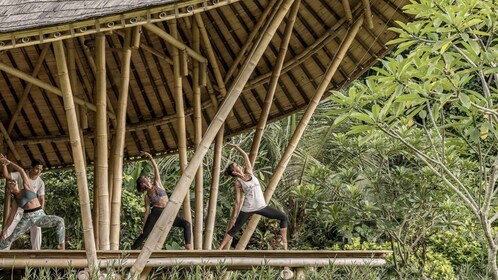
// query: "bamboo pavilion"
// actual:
[[94, 82]]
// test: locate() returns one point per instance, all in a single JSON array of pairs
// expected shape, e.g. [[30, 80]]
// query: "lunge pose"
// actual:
[[39, 186], [155, 201], [248, 189], [33, 214]]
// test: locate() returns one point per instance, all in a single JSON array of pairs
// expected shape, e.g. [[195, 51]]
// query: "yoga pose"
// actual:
[[33, 214], [248, 188], [39, 186], [157, 198]]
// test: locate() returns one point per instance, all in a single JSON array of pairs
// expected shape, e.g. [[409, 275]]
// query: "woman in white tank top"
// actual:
[[248, 189]]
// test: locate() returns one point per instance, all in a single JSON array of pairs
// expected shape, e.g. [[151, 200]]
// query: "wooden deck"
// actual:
[[232, 259]]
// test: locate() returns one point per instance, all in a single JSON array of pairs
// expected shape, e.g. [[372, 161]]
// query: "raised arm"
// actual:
[[157, 176], [247, 162], [4, 161], [19, 169]]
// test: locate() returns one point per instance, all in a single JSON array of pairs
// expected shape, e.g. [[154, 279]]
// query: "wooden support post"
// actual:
[[27, 90], [101, 145], [286, 156], [368, 13], [159, 233], [174, 41], [347, 11], [180, 115], [118, 155], [265, 111], [6, 204], [72, 123], [249, 41], [199, 186]]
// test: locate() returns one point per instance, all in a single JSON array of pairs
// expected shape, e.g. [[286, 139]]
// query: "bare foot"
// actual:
[[61, 247]]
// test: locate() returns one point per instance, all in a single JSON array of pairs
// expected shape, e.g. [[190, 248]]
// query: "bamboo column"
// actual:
[[119, 137], [322, 87], [215, 179], [159, 233], [180, 115], [101, 146], [265, 111], [199, 186], [6, 204], [79, 165]]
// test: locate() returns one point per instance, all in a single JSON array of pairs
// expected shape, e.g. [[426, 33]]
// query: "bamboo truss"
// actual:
[[286, 156], [158, 234]]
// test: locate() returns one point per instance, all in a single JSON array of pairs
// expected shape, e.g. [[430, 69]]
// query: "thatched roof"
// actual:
[[40, 130]]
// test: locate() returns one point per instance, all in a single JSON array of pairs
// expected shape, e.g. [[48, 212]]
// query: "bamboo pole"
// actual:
[[117, 157], [322, 87], [83, 117], [10, 144], [214, 191], [101, 149], [6, 204], [159, 233], [249, 40], [180, 114], [79, 165], [199, 187], [46, 86], [368, 13], [265, 111], [347, 10], [27, 90], [174, 41]]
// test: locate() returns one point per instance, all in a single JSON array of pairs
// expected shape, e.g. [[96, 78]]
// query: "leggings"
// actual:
[[268, 212], [151, 221], [36, 218]]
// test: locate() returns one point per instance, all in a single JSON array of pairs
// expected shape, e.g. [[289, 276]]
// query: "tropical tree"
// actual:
[[438, 98]]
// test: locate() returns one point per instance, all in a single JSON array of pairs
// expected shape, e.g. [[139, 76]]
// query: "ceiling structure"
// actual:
[[32, 113]]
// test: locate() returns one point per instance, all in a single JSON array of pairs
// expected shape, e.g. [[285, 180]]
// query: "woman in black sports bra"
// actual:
[[27, 199], [155, 201]]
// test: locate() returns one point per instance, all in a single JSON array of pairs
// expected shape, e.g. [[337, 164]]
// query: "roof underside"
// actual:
[[41, 130]]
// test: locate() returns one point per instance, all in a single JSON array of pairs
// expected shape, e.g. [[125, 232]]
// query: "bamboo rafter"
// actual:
[[368, 13], [347, 11]]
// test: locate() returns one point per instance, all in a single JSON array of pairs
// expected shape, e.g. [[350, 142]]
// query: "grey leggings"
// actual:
[[268, 212], [36, 218]]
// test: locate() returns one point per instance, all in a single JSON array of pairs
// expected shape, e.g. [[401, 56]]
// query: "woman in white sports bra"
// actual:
[[247, 187]]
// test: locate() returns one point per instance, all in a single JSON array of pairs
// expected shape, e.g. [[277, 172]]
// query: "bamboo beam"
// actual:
[[265, 111], [286, 156], [10, 144], [137, 17], [249, 40], [101, 146], [180, 115], [30, 79], [119, 137], [175, 42], [234, 263], [27, 90], [159, 234], [368, 13], [199, 186], [79, 165], [347, 11]]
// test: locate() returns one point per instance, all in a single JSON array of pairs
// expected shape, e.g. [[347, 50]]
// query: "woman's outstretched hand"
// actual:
[[4, 160], [145, 154]]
